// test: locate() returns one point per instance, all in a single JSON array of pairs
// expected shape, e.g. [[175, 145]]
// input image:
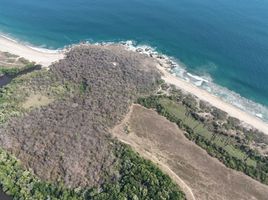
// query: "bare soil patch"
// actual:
[[36, 100], [156, 138]]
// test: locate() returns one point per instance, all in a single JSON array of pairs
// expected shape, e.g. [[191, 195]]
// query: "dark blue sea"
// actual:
[[223, 41]]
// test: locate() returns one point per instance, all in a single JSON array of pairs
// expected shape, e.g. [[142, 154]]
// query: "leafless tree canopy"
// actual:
[[68, 139]]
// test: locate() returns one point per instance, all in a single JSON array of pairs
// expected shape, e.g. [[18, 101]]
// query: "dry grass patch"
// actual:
[[209, 179], [36, 100]]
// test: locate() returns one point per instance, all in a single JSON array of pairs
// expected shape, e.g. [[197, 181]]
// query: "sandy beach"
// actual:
[[44, 58], [215, 101]]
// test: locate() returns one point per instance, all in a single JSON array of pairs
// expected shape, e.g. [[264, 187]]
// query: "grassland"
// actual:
[[228, 144], [16, 97], [161, 141], [230, 150]]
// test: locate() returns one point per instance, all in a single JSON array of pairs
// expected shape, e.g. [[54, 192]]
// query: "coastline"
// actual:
[[164, 65], [47, 57], [39, 56], [214, 101]]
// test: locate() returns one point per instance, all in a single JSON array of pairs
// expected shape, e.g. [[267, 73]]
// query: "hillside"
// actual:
[[66, 133], [56, 123]]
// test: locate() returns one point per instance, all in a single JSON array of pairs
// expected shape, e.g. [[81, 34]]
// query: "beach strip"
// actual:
[[214, 101], [39, 56]]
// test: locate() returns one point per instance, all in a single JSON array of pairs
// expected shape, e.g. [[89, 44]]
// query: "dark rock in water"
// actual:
[[160, 57], [139, 50], [169, 62], [147, 49], [173, 66]]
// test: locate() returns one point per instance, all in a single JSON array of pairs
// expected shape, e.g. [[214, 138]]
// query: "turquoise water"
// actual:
[[225, 40]]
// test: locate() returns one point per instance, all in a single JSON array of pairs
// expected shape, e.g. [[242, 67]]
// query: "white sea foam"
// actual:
[[240, 102], [8, 38], [44, 50]]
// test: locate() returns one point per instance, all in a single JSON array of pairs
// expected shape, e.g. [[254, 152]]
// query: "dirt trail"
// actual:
[[200, 176], [117, 131], [147, 155]]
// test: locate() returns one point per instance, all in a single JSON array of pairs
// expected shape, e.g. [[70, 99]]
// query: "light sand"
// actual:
[[214, 100], [39, 57]]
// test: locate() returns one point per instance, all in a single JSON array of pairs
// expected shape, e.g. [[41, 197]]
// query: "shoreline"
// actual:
[[214, 101], [33, 54], [164, 65], [47, 57], [179, 70]]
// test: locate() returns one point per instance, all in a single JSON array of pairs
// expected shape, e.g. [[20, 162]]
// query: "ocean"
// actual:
[[220, 45]]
